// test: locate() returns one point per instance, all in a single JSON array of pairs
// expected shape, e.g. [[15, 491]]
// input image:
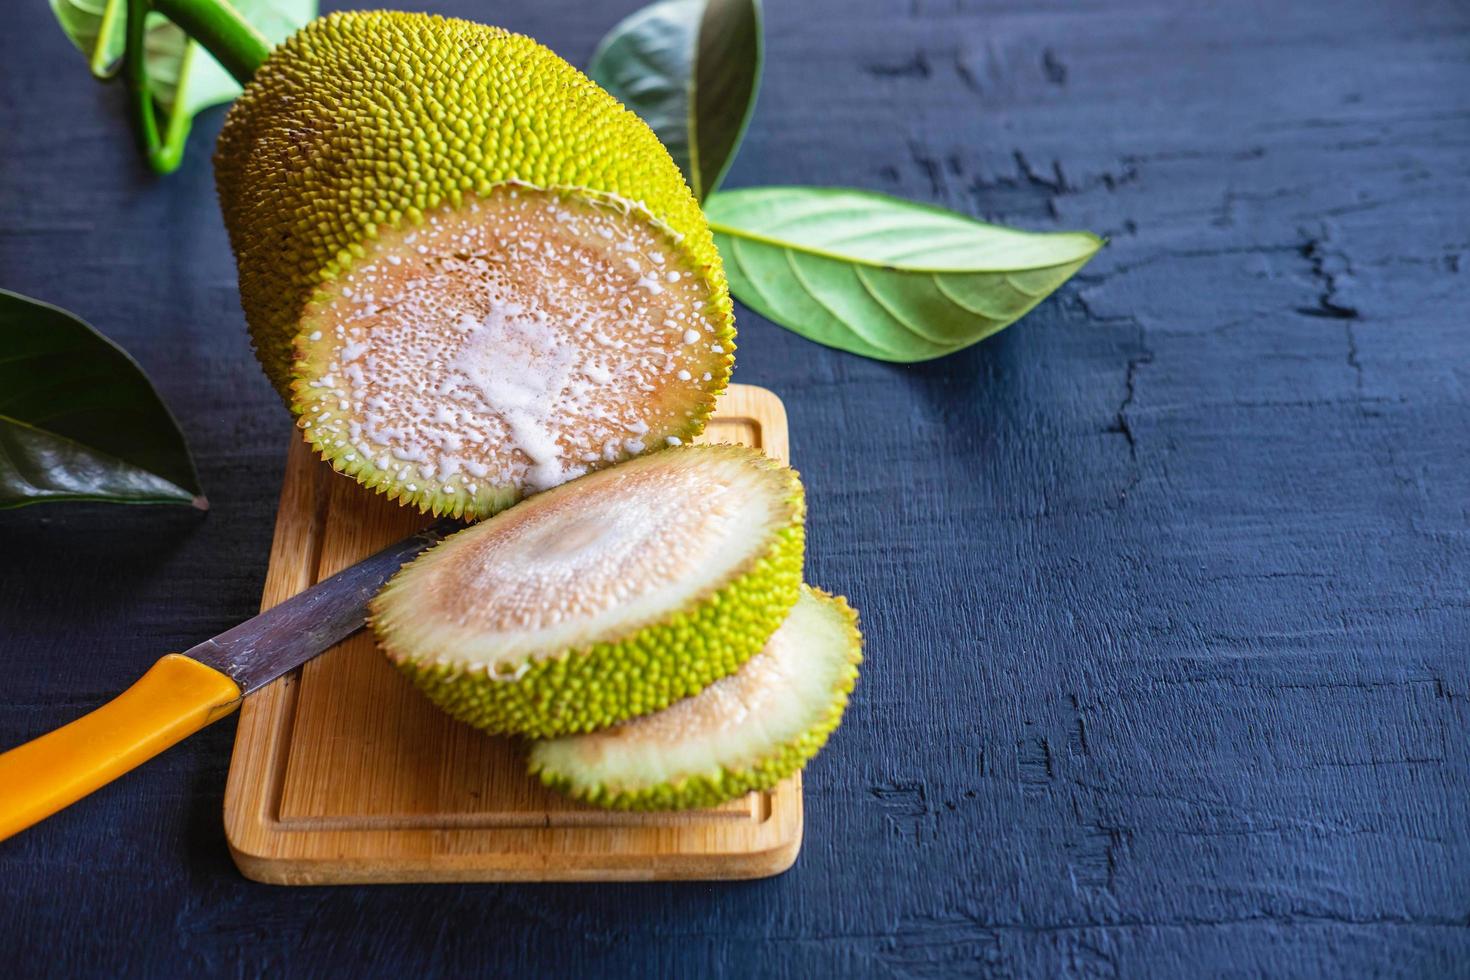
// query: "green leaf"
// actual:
[[79, 420], [184, 78], [691, 69], [883, 277], [96, 27]]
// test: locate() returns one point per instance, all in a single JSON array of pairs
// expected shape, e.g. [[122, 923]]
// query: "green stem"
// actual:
[[216, 26], [140, 97], [235, 44]]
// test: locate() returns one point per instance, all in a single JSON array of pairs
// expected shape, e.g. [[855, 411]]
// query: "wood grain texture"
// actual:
[[343, 773], [1165, 587]]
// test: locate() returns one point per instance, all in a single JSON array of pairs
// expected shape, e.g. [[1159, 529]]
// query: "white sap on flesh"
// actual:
[[520, 365]]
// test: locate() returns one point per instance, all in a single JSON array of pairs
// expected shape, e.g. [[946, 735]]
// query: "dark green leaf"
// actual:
[[691, 69], [78, 418], [883, 277], [185, 79]]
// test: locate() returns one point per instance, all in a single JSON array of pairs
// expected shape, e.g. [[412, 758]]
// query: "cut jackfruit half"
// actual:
[[472, 274], [506, 348], [609, 597], [745, 732]]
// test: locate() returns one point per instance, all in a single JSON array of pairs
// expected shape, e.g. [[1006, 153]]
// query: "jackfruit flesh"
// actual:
[[610, 596], [505, 348], [744, 732], [468, 269]]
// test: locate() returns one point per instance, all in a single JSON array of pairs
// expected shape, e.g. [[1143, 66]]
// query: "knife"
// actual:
[[183, 692]]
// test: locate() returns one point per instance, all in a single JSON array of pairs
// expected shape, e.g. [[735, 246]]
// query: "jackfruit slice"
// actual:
[[745, 732], [605, 598], [470, 272]]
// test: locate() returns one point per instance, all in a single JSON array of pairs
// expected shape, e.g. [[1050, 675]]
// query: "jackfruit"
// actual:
[[471, 273], [746, 732], [610, 596]]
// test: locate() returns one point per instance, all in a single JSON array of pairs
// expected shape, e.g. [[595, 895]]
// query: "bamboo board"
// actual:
[[343, 773]]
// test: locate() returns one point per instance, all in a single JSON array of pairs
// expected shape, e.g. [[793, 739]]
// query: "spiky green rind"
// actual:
[[716, 787], [370, 120], [428, 496], [601, 684]]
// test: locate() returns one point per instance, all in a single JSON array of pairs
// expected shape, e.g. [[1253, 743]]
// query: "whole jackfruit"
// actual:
[[608, 597], [400, 189]]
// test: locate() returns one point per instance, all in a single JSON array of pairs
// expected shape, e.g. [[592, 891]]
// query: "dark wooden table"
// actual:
[[1167, 588]]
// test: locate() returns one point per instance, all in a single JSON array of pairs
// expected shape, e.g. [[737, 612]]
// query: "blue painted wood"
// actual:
[[1165, 587]]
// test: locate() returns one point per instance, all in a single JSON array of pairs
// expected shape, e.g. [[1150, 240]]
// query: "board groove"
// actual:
[[342, 773]]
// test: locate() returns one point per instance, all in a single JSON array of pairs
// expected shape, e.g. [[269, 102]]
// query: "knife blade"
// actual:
[[287, 635], [184, 692]]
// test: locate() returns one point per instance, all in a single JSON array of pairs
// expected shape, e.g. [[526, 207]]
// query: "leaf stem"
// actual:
[[235, 44], [135, 74], [216, 25]]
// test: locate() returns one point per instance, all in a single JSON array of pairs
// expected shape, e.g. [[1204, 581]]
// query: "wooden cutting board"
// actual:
[[343, 773]]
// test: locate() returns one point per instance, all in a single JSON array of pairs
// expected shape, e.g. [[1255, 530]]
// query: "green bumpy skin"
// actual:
[[601, 684], [370, 120], [719, 786]]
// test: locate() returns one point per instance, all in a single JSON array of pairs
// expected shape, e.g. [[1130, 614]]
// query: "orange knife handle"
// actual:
[[177, 697]]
